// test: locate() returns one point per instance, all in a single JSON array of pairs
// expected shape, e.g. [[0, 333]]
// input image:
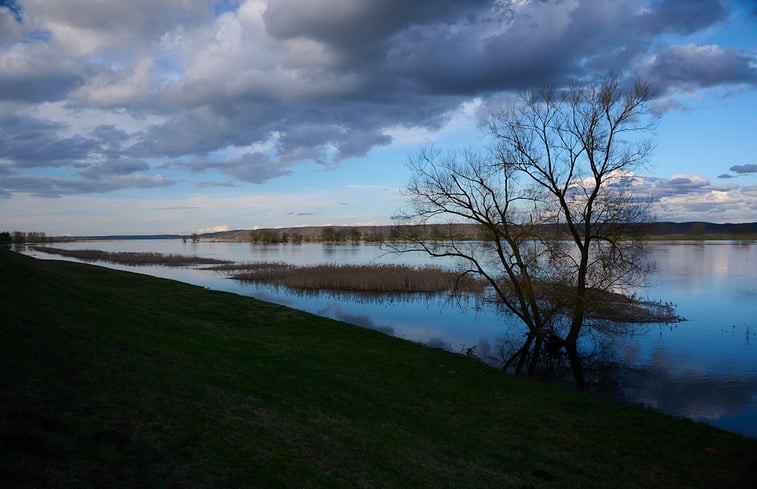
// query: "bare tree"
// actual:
[[553, 196]]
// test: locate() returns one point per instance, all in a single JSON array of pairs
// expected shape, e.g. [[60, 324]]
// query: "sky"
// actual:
[[183, 116]]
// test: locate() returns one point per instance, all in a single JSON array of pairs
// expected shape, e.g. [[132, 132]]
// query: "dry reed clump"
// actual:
[[131, 258], [389, 279]]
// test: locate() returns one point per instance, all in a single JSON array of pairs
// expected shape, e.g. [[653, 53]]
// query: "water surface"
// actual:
[[704, 368]]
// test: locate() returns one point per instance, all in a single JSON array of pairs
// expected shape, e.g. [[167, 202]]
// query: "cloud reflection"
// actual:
[[669, 383], [334, 310]]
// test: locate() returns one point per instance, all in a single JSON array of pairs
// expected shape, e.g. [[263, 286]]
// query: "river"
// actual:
[[704, 368]]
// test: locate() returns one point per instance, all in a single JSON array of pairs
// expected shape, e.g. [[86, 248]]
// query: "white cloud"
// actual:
[[83, 27], [119, 88], [464, 117], [74, 120], [214, 229]]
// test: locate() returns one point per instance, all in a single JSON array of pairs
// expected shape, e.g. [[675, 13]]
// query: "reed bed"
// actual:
[[131, 258], [383, 279]]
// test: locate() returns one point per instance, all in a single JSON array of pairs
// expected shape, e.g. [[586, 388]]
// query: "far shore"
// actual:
[[657, 231]]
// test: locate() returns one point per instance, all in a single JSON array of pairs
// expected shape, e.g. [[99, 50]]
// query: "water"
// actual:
[[704, 368]]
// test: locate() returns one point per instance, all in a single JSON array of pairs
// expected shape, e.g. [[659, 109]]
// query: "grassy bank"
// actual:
[[111, 379]]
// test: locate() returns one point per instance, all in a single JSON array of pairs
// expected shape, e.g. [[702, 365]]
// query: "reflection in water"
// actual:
[[704, 368], [692, 394], [334, 310]]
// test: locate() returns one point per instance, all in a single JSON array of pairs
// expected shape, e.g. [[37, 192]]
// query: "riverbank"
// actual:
[[122, 380]]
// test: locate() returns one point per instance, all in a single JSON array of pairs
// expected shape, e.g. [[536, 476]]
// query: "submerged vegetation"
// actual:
[[114, 379], [130, 258]]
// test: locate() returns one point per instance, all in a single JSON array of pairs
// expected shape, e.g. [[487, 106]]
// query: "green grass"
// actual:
[[112, 379]]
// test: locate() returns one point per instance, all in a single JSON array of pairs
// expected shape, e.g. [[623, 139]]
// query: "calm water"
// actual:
[[704, 368]]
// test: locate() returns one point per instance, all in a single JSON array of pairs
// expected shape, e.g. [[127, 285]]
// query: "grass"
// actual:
[[113, 379]]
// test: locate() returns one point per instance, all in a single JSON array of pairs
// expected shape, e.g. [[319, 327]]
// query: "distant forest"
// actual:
[[346, 234], [355, 234]]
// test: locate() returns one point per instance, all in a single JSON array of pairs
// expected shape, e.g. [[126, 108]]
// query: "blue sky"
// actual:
[[187, 116]]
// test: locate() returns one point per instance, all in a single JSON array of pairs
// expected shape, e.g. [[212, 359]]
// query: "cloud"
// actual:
[[214, 229], [744, 168], [692, 197], [693, 66], [82, 27], [60, 186], [250, 167], [28, 142], [122, 166], [117, 88], [251, 89], [34, 72], [681, 17], [10, 18]]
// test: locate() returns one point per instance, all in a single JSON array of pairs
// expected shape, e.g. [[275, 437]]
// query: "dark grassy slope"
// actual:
[[112, 379]]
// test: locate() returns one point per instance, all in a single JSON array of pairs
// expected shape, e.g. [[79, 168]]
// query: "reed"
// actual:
[[388, 279], [131, 258]]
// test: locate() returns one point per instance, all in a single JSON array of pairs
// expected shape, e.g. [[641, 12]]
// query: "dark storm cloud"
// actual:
[[32, 72], [84, 26], [474, 47], [693, 66], [201, 130], [28, 142], [110, 139], [348, 25], [683, 17], [313, 81], [60, 186], [91, 163], [250, 167], [121, 166], [254, 168], [744, 168], [725, 175]]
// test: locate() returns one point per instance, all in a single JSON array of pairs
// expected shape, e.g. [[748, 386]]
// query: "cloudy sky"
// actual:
[[193, 115]]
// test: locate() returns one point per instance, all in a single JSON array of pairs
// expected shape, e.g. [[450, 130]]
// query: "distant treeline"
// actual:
[[355, 234], [377, 234], [326, 234], [7, 237], [704, 229]]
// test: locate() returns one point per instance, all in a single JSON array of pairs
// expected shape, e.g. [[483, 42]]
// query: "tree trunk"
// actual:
[[575, 364], [521, 355], [535, 357]]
